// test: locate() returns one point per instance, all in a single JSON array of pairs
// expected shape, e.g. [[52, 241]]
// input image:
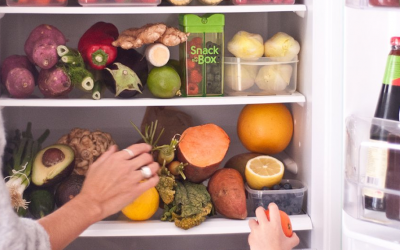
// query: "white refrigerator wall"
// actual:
[[316, 145], [366, 47]]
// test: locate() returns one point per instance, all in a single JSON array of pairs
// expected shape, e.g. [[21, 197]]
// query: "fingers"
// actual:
[[274, 216], [111, 150], [138, 176], [142, 160], [147, 184], [134, 150], [294, 240], [261, 216], [253, 224]]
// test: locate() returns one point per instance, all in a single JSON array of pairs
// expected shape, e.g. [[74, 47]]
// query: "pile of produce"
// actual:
[[193, 185], [104, 58], [42, 179], [187, 201]]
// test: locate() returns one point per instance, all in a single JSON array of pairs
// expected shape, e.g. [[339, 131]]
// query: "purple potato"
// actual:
[[41, 45], [19, 76], [54, 82]]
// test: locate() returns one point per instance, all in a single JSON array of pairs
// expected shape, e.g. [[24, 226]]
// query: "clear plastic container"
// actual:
[[362, 4], [359, 154], [290, 201], [210, 2], [238, 2], [36, 3], [119, 2], [265, 76]]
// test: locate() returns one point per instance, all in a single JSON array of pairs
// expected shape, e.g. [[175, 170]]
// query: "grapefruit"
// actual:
[[265, 128]]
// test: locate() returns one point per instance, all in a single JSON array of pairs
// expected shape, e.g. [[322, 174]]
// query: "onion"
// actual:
[[246, 45], [274, 78], [283, 46]]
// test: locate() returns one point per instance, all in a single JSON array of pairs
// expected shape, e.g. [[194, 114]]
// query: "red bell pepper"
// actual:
[[95, 45]]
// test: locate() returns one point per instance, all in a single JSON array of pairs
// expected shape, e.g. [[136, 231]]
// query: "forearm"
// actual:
[[69, 221]]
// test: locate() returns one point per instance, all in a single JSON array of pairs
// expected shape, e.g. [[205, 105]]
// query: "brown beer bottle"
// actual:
[[387, 108]]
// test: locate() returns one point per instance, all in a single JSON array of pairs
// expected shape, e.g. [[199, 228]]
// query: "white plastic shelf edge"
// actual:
[[162, 228], [117, 102], [152, 9]]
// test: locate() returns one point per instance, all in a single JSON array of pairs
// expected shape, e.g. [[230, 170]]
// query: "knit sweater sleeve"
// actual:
[[16, 232]]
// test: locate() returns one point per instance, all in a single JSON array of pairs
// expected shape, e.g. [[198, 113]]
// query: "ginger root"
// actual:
[[148, 34], [172, 36], [87, 145]]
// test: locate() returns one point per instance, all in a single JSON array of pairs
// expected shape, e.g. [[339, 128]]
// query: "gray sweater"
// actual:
[[17, 233]]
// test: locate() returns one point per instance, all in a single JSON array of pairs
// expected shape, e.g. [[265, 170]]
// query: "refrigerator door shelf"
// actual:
[[360, 180], [359, 234]]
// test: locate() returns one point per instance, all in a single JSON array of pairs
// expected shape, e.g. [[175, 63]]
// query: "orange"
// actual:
[[145, 206], [285, 223], [265, 128]]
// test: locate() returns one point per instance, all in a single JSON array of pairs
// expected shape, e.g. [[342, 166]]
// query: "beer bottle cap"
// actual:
[[395, 41]]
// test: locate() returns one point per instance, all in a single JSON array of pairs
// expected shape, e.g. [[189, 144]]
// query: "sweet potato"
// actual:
[[226, 188], [203, 148], [18, 75], [54, 82], [41, 45]]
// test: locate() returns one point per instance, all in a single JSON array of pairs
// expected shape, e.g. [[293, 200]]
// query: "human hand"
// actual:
[[268, 235], [114, 180]]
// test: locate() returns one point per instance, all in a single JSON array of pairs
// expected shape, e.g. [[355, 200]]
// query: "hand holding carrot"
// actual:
[[268, 235]]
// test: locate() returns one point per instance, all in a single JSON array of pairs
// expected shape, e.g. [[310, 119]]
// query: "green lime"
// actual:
[[164, 82]]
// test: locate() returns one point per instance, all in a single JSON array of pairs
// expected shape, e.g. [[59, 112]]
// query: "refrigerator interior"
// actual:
[[316, 109], [367, 45]]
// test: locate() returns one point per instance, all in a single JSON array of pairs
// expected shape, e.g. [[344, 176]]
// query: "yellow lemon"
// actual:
[[263, 171], [143, 207]]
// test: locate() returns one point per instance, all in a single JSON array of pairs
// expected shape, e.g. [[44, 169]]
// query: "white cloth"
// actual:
[[17, 233]]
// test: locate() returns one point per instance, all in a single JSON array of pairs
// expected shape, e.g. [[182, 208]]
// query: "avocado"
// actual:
[[52, 164], [239, 162], [68, 189]]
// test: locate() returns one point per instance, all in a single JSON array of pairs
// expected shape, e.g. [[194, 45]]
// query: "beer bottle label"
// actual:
[[376, 168], [392, 72]]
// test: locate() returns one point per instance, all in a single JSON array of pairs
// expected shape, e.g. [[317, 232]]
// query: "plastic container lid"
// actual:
[[201, 24]]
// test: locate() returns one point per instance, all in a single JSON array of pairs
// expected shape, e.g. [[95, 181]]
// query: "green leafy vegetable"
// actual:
[[191, 205]]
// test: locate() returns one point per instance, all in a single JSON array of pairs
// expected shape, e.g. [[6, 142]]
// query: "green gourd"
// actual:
[[41, 203]]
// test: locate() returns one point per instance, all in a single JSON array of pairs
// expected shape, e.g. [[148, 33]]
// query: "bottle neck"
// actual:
[[395, 51], [392, 71]]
